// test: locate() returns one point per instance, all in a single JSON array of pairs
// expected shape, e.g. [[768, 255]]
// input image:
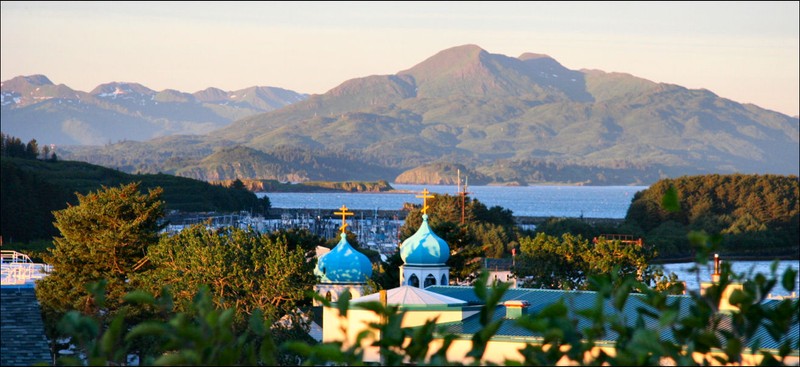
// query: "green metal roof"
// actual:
[[575, 301]]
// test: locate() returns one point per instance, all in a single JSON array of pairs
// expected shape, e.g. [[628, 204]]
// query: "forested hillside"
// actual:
[[33, 188], [756, 215]]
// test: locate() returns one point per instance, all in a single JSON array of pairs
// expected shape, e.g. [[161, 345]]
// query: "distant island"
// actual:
[[309, 186]]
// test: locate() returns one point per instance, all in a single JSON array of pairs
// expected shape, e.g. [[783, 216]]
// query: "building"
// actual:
[[342, 269], [22, 336], [424, 295]]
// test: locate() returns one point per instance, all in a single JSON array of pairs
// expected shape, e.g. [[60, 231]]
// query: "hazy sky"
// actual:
[[745, 51]]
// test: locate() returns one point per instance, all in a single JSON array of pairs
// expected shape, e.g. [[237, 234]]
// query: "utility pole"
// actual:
[[463, 193]]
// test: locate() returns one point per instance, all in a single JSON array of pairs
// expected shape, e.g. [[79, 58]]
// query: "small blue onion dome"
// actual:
[[343, 264], [424, 247]]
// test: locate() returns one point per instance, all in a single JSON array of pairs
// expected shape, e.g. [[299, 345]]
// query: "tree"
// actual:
[[45, 152], [237, 184], [104, 236], [569, 261], [243, 269], [32, 149], [551, 262], [12, 147]]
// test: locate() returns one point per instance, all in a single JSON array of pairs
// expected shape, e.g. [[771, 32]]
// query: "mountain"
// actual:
[[34, 107], [515, 120]]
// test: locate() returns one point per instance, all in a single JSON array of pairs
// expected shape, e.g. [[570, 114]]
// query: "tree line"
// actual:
[[31, 189], [11, 146], [755, 215]]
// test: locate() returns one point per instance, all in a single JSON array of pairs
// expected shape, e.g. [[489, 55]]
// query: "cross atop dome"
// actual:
[[344, 213], [424, 197], [424, 254]]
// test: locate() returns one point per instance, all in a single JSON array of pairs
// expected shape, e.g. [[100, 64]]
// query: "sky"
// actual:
[[748, 52]]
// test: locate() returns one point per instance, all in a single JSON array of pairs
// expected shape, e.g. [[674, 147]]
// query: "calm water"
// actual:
[[738, 267], [533, 201]]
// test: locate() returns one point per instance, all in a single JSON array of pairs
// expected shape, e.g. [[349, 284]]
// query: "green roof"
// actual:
[[575, 301]]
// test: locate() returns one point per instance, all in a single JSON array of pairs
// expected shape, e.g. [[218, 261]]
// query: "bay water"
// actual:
[[528, 201], [702, 273]]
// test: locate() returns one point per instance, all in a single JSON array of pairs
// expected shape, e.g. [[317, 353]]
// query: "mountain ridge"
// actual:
[[467, 106], [34, 107]]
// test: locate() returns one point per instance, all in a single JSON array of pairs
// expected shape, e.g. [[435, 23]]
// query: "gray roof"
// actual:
[[411, 296], [23, 340]]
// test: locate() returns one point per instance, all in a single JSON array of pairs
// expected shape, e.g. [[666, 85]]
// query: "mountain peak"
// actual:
[[211, 94], [23, 82], [468, 50], [38, 79], [26, 90], [533, 56], [451, 59], [469, 70], [118, 88]]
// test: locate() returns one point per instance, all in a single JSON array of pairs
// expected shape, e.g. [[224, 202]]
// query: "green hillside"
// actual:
[[756, 215], [32, 189]]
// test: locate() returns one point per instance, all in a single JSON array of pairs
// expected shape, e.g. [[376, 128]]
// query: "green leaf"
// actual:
[[788, 280], [256, 322], [670, 200], [343, 303], [297, 347], [109, 339], [738, 297], [139, 297], [147, 328], [226, 318]]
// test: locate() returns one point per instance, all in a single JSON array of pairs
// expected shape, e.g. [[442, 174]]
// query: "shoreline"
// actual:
[[399, 213], [729, 258]]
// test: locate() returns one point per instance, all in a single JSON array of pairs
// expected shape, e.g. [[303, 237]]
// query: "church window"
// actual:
[[430, 280], [413, 281]]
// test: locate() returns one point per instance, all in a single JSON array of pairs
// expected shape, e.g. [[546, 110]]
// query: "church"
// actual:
[[425, 293]]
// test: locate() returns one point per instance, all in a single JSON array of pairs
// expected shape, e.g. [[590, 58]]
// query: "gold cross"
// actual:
[[344, 213], [424, 197]]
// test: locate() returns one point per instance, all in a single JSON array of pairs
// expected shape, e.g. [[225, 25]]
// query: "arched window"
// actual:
[[328, 296], [413, 281], [444, 280], [430, 280]]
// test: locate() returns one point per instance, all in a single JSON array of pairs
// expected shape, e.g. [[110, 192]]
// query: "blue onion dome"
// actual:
[[424, 247], [343, 264]]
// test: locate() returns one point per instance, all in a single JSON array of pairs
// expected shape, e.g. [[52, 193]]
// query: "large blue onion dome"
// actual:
[[343, 264], [424, 247]]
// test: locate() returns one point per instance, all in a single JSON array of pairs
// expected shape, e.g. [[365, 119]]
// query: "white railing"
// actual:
[[18, 269]]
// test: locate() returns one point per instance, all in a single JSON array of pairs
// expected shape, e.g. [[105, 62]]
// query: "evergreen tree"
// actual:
[[103, 237], [32, 149]]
